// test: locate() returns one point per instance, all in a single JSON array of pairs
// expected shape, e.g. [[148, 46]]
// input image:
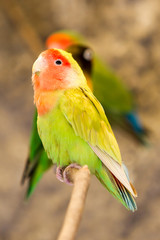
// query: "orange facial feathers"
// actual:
[[49, 70], [53, 54], [53, 71], [49, 73]]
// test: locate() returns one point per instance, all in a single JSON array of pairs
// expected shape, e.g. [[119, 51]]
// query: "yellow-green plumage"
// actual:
[[76, 130]]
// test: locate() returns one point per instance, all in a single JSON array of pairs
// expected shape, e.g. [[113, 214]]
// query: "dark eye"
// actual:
[[58, 62], [88, 54]]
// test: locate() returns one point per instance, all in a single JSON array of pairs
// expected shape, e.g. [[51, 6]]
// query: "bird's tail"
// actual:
[[136, 126], [34, 171], [116, 188]]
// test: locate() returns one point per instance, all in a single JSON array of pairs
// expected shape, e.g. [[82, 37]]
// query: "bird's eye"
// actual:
[[58, 62], [88, 54]]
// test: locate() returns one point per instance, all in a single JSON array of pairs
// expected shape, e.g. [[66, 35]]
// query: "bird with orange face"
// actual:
[[73, 126], [110, 91], [38, 162]]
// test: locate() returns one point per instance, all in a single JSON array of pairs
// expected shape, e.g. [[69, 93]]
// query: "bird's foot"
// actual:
[[66, 174], [59, 173], [69, 171]]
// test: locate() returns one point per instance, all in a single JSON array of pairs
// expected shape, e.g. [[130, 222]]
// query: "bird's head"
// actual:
[[56, 69]]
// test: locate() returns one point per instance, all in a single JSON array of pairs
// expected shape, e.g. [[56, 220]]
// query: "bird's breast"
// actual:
[[45, 101]]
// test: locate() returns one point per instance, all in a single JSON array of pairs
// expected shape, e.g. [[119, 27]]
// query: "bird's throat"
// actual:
[[45, 101]]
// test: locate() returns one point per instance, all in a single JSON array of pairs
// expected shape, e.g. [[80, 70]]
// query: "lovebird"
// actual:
[[73, 127], [38, 162], [119, 106]]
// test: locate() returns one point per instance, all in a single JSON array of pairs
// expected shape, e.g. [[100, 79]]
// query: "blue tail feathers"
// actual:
[[134, 121], [136, 126]]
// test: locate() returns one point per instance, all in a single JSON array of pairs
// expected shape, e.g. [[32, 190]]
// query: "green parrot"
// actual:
[[38, 162], [118, 107], [73, 126]]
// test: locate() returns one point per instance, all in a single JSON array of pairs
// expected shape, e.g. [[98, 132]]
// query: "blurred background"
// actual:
[[125, 33]]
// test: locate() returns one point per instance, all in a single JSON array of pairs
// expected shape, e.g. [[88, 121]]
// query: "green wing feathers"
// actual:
[[37, 162], [34, 171], [105, 83], [87, 117], [88, 120], [116, 188]]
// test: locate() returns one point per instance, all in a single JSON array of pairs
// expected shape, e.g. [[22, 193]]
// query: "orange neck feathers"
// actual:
[[45, 101]]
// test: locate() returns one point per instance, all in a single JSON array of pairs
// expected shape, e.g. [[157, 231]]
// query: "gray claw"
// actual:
[[59, 174]]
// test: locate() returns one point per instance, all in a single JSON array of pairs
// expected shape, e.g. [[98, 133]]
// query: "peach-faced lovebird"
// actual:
[[73, 126], [38, 163], [115, 98]]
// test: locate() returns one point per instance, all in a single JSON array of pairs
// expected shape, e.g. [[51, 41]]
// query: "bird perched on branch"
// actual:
[[73, 126], [118, 106], [38, 162]]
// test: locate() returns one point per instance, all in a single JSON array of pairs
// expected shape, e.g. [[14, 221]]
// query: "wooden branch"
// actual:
[[81, 179]]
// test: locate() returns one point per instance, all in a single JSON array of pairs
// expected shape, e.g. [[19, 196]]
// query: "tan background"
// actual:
[[126, 34]]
